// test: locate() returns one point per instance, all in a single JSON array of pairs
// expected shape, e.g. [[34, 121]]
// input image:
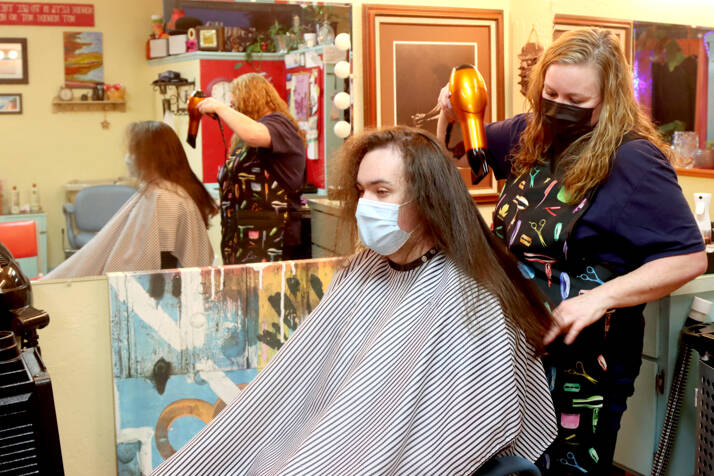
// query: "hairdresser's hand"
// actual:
[[210, 106], [445, 103], [575, 314]]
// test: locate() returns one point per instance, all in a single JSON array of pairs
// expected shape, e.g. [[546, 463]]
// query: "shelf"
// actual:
[[59, 105], [694, 172], [227, 55]]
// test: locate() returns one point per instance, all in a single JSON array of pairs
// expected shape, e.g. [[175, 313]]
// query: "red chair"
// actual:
[[20, 237]]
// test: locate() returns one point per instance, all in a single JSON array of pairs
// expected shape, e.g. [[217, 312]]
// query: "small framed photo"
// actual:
[[210, 38], [13, 61], [10, 103]]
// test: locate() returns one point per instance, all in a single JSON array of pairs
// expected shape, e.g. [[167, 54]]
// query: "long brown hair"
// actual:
[[159, 155], [586, 163], [254, 96], [449, 216]]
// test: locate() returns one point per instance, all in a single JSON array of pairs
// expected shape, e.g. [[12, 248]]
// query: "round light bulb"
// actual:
[[12, 54], [342, 100], [342, 41], [2, 54], [342, 129], [342, 69]]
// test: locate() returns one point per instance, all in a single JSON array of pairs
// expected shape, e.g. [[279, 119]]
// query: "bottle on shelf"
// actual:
[[35, 199], [14, 200]]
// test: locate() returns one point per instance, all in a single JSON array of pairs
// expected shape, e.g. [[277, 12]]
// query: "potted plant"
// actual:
[[278, 33], [325, 19]]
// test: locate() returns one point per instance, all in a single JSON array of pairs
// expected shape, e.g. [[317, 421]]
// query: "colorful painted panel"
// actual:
[[83, 59], [184, 343]]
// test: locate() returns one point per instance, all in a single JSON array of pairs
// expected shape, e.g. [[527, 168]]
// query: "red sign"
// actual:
[[46, 14]]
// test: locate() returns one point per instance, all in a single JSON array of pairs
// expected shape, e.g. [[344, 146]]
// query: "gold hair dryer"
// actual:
[[469, 99], [194, 116]]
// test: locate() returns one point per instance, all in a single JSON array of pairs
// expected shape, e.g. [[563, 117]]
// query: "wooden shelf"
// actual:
[[693, 172], [73, 105]]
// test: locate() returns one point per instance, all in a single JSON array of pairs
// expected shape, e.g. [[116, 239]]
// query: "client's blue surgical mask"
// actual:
[[130, 164], [378, 226]]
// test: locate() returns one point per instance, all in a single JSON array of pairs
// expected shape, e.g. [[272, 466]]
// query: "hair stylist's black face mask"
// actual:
[[564, 123]]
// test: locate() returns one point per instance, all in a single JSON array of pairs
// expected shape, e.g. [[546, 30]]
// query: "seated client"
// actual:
[[163, 225], [421, 358]]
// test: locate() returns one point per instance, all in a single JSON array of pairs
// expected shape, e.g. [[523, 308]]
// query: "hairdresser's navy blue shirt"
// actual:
[[638, 214]]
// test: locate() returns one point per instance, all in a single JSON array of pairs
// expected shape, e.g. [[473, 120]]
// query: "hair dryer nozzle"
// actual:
[[478, 162]]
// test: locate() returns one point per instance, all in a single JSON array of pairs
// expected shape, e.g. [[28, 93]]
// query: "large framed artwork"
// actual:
[[409, 54], [621, 28]]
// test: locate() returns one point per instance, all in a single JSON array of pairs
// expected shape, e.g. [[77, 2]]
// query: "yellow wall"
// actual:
[[76, 350], [50, 149]]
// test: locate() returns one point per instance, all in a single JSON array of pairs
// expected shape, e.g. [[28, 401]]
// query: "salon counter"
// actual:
[[643, 420]]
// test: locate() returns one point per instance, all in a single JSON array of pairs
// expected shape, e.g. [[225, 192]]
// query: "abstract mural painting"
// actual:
[[185, 342], [83, 59]]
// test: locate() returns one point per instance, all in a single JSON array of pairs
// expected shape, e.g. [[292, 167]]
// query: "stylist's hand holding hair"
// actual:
[[592, 209]]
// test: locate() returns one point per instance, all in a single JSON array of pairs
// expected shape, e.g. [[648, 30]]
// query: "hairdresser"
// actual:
[[592, 209], [261, 181]]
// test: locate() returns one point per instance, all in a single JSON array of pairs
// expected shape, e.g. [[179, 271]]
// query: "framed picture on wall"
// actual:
[[621, 28], [10, 103], [13, 61], [410, 52]]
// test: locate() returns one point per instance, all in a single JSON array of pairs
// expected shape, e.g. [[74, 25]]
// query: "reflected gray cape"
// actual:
[[159, 217], [394, 372]]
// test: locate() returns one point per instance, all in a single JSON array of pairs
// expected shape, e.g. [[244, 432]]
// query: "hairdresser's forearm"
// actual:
[[252, 133], [652, 280]]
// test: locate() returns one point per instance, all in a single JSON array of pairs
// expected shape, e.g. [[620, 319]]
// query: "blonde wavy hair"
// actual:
[[254, 96], [586, 162]]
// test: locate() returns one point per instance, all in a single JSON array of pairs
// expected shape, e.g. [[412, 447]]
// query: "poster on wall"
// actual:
[[83, 59]]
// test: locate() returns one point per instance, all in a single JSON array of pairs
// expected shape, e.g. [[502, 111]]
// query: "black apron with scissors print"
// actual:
[[254, 209], [590, 379]]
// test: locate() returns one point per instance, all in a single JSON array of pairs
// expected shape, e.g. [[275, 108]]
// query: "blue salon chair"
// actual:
[[93, 207], [508, 464]]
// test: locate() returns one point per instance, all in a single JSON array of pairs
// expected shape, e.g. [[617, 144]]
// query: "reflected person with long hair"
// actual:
[[163, 225]]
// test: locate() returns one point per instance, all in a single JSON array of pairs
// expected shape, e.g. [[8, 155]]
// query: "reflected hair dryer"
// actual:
[[469, 99], [194, 116]]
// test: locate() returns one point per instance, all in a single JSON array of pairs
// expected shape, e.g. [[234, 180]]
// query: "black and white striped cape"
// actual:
[[159, 217], [394, 372]]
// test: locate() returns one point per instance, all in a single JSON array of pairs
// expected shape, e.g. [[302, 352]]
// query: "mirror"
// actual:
[[674, 84], [286, 33]]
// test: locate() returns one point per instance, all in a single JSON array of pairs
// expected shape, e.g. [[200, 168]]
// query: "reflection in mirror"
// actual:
[[674, 84], [291, 45]]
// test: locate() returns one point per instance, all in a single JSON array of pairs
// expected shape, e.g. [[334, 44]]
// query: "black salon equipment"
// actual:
[[29, 438], [699, 336]]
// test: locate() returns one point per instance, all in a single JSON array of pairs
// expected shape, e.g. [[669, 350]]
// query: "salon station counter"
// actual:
[[77, 350]]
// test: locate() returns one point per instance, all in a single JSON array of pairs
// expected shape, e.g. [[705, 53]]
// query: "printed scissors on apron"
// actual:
[[590, 275], [539, 229], [570, 461], [580, 370]]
